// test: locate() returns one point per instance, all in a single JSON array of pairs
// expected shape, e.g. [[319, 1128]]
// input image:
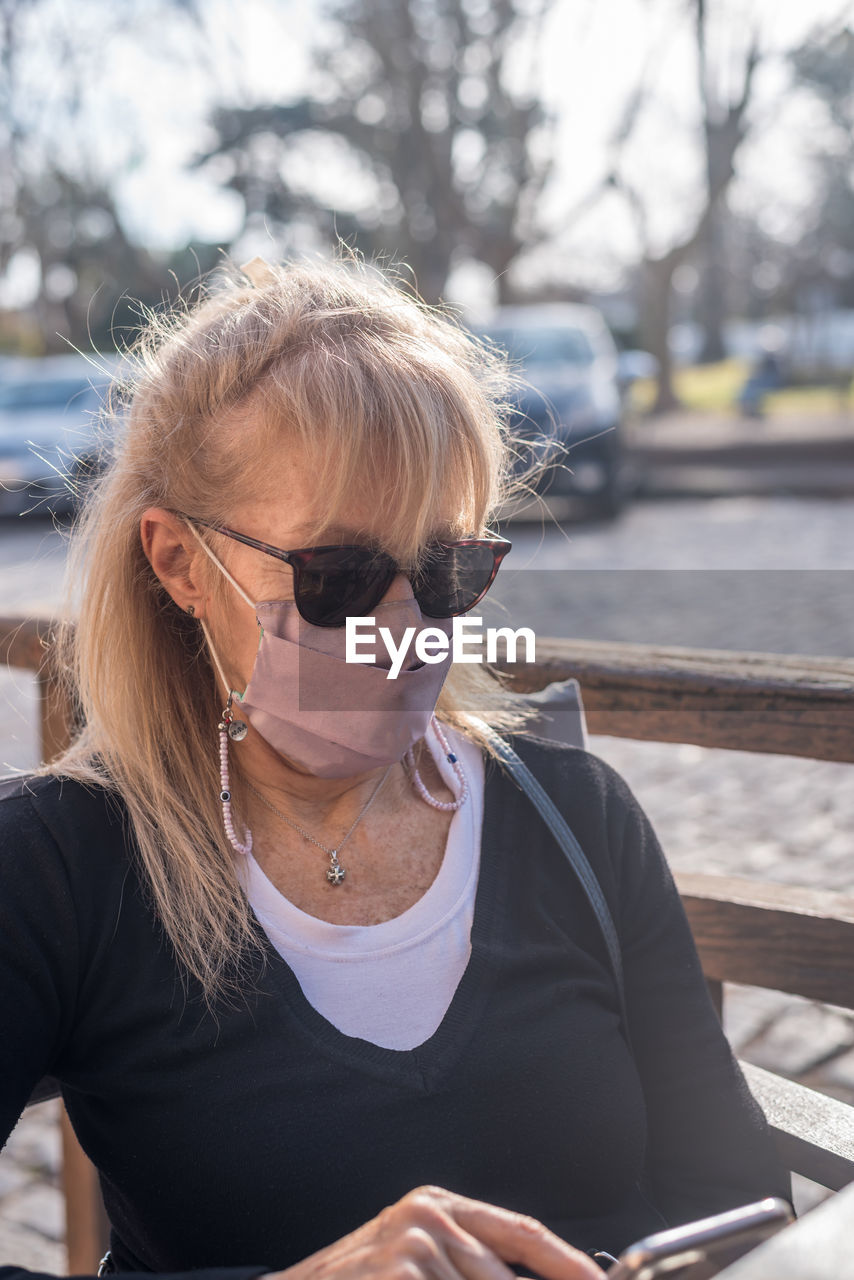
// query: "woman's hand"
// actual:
[[431, 1234]]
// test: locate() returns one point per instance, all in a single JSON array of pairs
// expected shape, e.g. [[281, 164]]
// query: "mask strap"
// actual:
[[219, 564], [229, 692]]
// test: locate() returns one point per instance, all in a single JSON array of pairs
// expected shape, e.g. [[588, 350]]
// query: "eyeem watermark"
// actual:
[[466, 643]]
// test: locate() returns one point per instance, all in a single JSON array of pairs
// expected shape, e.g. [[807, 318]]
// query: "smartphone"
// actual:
[[701, 1249]]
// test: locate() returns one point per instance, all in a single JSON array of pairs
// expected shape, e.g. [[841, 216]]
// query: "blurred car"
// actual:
[[569, 413], [49, 445]]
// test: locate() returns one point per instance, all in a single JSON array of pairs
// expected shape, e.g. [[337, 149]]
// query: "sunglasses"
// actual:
[[334, 583]]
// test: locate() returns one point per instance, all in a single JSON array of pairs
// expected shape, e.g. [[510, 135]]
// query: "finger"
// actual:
[[516, 1238], [423, 1232], [472, 1260]]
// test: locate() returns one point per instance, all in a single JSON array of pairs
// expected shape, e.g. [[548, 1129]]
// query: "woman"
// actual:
[[320, 989]]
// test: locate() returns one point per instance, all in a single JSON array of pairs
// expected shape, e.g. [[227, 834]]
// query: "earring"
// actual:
[[191, 609]]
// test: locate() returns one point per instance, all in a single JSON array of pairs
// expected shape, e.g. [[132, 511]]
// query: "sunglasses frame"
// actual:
[[300, 559]]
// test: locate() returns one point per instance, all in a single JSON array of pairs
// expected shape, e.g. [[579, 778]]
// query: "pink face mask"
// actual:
[[328, 716]]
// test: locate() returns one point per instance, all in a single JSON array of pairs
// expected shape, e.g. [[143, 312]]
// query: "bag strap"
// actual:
[[577, 859], [575, 855]]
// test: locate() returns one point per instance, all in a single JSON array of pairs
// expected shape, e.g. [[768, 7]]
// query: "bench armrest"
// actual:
[[814, 1132]]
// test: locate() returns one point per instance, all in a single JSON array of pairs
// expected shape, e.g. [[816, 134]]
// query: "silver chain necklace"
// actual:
[[335, 872]]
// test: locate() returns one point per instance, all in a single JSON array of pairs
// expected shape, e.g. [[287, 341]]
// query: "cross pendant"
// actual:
[[336, 872]]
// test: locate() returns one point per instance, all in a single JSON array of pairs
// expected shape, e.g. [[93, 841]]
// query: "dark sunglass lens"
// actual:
[[340, 583], [454, 579]]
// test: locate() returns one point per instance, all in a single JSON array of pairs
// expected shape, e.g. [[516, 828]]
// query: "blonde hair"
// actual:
[[388, 395]]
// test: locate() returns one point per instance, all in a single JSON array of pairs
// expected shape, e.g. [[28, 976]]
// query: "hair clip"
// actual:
[[258, 272]]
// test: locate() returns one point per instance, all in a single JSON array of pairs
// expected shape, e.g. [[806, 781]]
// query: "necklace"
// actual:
[[335, 872]]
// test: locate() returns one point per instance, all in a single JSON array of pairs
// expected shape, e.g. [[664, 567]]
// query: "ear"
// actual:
[[173, 554]]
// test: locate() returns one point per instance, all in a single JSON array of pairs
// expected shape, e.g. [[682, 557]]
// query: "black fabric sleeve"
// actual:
[[40, 969], [709, 1146], [39, 957]]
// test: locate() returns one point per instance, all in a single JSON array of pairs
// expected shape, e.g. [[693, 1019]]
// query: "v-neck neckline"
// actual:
[[423, 1067]]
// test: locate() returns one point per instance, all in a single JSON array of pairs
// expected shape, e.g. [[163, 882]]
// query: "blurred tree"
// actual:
[[724, 123], [770, 274], [60, 226], [723, 126], [825, 67], [414, 99]]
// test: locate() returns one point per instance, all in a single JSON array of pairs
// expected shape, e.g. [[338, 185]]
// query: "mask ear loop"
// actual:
[[228, 727], [210, 554]]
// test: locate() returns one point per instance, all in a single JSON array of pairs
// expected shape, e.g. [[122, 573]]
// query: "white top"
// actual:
[[389, 983]]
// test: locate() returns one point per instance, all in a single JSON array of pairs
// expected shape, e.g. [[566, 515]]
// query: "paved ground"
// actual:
[[765, 573]]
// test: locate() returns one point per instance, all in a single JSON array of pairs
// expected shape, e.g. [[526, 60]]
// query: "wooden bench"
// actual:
[[789, 939]]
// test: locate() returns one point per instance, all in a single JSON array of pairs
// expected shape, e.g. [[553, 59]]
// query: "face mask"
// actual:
[[331, 717]]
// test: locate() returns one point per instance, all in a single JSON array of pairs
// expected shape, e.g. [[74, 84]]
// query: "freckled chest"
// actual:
[[390, 863]]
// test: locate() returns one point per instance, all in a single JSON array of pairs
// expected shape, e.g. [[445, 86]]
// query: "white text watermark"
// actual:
[[431, 644]]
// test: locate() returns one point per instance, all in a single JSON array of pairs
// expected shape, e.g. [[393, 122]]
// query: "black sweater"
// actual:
[[245, 1146]]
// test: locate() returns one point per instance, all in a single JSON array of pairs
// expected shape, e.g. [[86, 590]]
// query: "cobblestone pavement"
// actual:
[[32, 1213], [768, 574]]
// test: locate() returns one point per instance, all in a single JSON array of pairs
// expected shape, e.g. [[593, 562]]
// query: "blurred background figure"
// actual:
[[766, 375]]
